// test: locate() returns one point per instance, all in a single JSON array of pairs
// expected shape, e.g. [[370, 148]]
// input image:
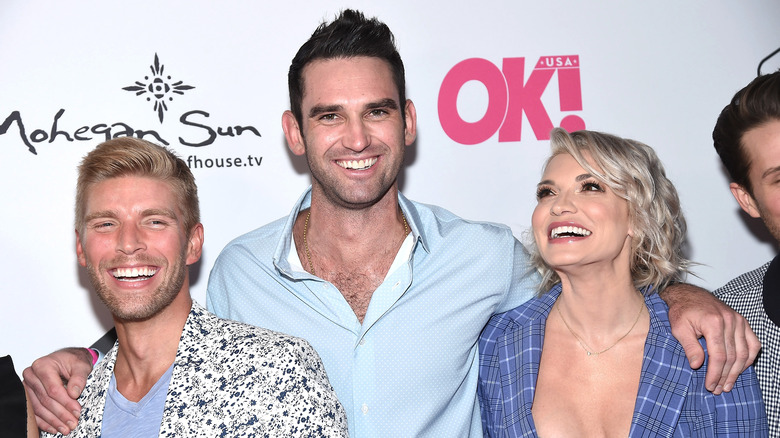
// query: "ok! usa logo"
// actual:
[[510, 95]]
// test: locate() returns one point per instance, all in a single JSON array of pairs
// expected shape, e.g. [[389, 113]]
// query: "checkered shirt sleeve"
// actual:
[[745, 295]]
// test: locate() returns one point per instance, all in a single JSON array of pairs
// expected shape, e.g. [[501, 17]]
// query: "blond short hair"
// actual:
[[130, 156]]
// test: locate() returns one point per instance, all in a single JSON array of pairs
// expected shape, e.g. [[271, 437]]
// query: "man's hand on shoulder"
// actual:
[[731, 344], [54, 383]]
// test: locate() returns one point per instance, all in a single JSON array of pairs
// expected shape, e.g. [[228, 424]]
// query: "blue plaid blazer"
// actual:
[[672, 400]]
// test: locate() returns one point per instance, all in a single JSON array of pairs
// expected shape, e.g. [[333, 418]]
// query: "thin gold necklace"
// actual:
[[585, 346], [306, 243]]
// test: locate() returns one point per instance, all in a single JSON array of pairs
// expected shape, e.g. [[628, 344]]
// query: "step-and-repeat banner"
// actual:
[[489, 80]]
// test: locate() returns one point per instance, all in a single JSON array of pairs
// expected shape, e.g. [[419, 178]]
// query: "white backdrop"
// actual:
[[658, 72]]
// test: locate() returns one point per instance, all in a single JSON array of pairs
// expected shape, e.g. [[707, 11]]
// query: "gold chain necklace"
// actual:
[[585, 346], [306, 243]]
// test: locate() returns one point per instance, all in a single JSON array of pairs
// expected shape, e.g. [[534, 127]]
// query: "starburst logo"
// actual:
[[158, 87]]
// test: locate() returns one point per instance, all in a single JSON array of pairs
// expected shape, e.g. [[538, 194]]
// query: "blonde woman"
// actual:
[[594, 356]]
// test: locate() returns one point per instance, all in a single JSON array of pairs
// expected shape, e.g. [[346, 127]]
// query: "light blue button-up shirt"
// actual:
[[410, 370]]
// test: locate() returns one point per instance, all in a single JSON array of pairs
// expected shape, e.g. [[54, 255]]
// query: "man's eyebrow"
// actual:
[[148, 212], [323, 109], [384, 103], [770, 171], [160, 212], [100, 214]]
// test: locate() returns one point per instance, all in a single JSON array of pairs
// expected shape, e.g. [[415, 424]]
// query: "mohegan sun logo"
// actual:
[[159, 87], [194, 128]]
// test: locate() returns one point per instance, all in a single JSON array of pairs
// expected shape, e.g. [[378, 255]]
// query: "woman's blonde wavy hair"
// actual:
[[633, 172]]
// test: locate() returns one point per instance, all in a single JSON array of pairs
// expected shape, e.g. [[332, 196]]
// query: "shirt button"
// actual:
[[362, 342], [364, 408]]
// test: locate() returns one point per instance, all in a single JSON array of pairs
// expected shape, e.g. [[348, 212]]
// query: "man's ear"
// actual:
[[292, 132], [745, 200], [80, 251], [410, 132], [195, 244]]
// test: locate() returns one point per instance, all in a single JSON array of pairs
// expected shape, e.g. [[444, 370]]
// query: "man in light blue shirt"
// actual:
[[410, 368], [393, 294]]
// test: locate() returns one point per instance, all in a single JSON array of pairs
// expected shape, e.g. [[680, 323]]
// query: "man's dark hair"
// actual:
[[752, 106], [349, 35]]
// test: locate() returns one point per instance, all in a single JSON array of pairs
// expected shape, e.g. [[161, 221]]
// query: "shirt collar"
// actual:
[[283, 255]]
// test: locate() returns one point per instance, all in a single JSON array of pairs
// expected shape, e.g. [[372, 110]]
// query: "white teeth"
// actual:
[[574, 231], [357, 164], [124, 273]]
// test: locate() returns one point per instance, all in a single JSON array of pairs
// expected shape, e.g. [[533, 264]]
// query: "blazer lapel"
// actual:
[[191, 356], [664, 382], [91, 421]]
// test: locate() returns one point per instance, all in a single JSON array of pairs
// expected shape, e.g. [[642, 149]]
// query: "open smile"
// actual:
[[569, 231], [357, 164], [137, 273]]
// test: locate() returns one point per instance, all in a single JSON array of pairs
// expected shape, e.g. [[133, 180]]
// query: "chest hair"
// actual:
[[358, 280]]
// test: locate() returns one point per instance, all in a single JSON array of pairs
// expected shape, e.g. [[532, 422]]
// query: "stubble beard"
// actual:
[[129, 307], [337, 194], [771, 222]]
